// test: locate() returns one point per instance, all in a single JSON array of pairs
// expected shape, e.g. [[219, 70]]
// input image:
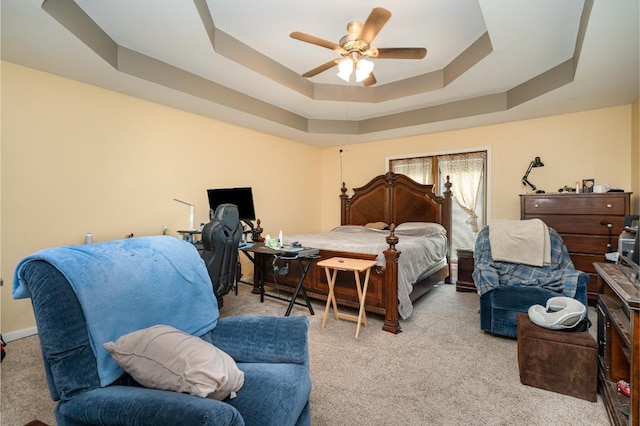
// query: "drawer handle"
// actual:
[[609, 206], [536, 205]]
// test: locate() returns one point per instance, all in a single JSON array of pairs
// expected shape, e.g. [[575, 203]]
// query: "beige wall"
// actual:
[[593, 144], [77, 159]]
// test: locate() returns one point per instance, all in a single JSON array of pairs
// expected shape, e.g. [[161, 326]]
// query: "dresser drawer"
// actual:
[[584, 262], [587, 204], [589, 244], [588, 224]]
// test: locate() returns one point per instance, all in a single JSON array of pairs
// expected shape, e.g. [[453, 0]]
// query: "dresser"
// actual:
[[581, 220]]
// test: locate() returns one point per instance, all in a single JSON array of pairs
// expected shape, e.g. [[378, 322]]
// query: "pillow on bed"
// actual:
[[377, 225], [357, 229], [420, 229], [162, 357]]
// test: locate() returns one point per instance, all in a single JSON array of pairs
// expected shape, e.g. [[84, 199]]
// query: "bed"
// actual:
[[411, 210]]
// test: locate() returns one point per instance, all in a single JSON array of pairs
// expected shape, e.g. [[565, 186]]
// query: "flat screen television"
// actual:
[[241, 197]]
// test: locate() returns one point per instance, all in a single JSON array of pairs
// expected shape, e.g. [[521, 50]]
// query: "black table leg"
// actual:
[[304, 268], [260, 274], [299, 289]]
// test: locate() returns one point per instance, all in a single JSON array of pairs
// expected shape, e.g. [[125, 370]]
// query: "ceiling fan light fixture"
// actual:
[[355, 48], [344, 69], [364, 68]]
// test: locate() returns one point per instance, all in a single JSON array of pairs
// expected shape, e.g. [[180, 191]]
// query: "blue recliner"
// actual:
[[84, 296], [507, 289]]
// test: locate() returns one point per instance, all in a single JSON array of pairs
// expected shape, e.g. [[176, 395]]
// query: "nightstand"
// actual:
[[465, 269]]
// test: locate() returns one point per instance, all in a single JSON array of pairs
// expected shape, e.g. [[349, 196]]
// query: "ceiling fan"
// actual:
[[355, 47]]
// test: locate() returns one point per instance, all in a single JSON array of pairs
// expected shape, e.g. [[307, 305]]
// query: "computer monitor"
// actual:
[[241, 197]]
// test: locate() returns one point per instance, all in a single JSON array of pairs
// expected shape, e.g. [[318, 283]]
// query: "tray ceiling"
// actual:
[[488, 61]]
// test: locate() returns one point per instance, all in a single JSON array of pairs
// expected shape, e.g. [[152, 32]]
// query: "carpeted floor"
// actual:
[[441, 370]]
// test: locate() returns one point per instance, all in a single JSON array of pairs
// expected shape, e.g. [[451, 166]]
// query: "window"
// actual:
[[467, 172]]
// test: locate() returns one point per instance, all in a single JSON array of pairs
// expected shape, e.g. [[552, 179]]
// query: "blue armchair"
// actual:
[[84, 296], [507, 289]]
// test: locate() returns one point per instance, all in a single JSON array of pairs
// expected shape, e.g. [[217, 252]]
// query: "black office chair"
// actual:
[[220, 240]]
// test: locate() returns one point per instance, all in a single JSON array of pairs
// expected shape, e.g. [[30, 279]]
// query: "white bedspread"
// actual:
[[418, 253]]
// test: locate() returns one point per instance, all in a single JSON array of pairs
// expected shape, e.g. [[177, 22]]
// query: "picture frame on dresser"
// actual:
[[587, 185], [589, 224]]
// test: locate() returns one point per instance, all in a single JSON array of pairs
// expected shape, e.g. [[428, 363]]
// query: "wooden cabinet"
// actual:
[[582, 221], [465, 269], [618, 311]]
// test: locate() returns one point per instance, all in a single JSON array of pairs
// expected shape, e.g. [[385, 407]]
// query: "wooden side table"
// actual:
[[465, 269], [331, 268]]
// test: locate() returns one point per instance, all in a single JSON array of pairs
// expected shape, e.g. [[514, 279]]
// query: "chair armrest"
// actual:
[[484, 272], [132, 405], [263, 339], [485, 277]]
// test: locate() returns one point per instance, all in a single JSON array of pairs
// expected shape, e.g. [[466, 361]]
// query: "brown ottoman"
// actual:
[[560, 361]]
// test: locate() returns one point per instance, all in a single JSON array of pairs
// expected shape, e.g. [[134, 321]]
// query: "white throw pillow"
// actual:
[[162, 357], [420, 229], [377, 225]]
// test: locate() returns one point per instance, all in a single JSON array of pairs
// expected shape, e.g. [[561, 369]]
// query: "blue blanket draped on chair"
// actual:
[[108, 279]]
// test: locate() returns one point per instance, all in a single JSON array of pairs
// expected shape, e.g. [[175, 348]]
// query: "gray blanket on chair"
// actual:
[[560, 275]]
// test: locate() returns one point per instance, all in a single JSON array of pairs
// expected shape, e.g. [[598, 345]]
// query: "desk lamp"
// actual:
[[535, 163], [191, 212]]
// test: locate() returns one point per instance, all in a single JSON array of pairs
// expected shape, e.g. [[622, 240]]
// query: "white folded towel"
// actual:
[[520, 241]]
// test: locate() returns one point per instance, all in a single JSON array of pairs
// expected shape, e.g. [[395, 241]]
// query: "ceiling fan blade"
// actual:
[[401, 53], [376, 20], [313, 40], [369, 81], [321, 68]]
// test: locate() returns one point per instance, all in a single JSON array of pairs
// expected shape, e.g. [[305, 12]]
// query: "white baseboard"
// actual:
[[19, 334]]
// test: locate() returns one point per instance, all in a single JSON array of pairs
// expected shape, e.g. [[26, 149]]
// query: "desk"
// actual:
[[304, 259], [331, 267], [190, 235]]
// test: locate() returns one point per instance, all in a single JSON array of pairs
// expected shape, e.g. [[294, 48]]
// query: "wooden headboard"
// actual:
[[394, 199]]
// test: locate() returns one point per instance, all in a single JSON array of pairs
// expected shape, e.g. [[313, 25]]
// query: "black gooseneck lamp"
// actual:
[[535, 163]]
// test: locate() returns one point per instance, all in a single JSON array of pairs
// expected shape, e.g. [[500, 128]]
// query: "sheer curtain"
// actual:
[[466, 171], [418, 168]]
